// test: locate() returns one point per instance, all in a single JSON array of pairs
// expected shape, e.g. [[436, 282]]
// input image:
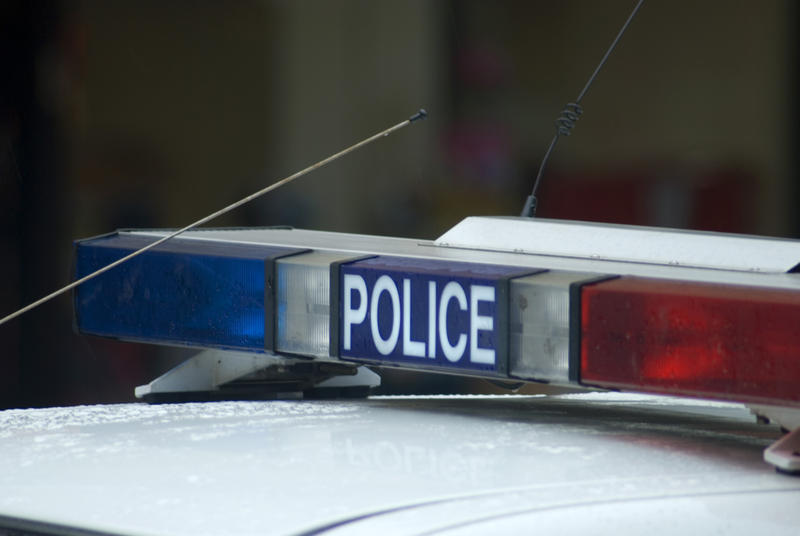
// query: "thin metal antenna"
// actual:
[[570, 115], [421, 114]]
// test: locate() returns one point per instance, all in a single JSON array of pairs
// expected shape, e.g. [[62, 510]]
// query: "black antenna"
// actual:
[[570, 115]]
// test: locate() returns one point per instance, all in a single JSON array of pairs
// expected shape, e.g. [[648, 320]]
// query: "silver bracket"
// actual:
[[787, 418], [225, 375], [784, 454]]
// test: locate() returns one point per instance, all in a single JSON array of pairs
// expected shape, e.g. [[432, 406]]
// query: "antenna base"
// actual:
[[529, 210]]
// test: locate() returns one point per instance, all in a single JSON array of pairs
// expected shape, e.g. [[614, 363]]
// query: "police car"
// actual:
[[293, 316]]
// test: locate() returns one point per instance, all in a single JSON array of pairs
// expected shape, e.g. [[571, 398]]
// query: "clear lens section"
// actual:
[[303, 303], [539, 325]]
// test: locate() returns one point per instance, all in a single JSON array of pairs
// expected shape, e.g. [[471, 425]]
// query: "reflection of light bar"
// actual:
[[414, 305]]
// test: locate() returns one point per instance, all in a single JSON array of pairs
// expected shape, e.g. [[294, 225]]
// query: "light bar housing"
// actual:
[[717, 333]]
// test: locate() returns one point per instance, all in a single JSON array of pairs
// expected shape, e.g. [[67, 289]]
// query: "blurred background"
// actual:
[[153, 114]]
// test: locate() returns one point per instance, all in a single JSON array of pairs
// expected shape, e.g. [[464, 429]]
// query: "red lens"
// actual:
[[717, 341]]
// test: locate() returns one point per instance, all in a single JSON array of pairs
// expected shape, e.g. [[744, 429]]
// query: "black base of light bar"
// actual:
[[213, 375], [260, 393]]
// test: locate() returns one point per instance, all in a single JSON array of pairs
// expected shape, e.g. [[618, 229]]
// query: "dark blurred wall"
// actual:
[[33, 187], [139, 114], [693, 100]]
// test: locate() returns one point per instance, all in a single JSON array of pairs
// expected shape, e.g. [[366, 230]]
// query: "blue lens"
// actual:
[[183, 292]]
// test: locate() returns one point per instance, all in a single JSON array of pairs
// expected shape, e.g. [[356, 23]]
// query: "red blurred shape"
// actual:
[[708, 199], [713, 341]]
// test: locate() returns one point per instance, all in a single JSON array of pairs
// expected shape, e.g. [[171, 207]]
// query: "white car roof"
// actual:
[[395, 465]]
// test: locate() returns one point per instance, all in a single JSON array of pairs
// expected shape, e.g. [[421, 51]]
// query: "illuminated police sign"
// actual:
[[424, 313]]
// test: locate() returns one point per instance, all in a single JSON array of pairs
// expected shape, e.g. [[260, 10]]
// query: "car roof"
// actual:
[[409, 465]]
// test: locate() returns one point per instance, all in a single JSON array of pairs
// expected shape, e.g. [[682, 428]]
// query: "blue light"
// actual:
[[183, 292]]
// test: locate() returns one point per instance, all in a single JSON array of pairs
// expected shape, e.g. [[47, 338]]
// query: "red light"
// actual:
[[707, 340]]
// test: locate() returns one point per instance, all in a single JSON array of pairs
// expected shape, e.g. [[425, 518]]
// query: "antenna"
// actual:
[[421, 114], [570, 115]]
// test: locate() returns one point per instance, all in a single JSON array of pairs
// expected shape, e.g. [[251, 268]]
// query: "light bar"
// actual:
[[184, 292], [699, 339], [730, 331], [501, 321]]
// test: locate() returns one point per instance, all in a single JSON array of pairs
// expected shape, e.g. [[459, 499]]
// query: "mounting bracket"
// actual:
[[227, 375], [784, 454]]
